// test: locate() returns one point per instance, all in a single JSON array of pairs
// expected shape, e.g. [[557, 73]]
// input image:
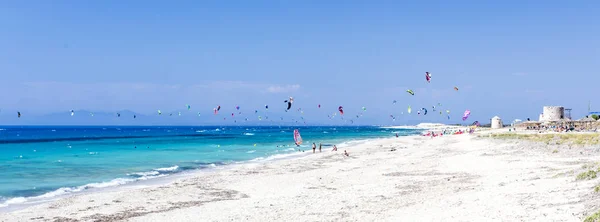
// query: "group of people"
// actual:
[[314, 147]]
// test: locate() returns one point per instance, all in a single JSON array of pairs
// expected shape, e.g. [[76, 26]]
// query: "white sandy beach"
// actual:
[[449, 178]]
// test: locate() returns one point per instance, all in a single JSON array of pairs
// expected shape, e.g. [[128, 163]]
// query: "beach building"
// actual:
[[496, 123], [552, 113]]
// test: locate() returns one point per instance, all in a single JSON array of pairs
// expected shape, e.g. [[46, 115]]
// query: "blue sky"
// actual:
[[508, 58]]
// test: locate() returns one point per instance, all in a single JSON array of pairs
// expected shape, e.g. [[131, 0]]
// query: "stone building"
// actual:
[[496, 123]]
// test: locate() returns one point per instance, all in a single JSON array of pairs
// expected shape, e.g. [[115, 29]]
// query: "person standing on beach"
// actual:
[[314, 147], [334, 148], [320, 147]]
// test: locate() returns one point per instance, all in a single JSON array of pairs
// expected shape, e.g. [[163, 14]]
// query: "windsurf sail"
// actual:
[[297, 137]]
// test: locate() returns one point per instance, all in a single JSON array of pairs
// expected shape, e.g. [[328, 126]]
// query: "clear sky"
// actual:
[[508, 58]]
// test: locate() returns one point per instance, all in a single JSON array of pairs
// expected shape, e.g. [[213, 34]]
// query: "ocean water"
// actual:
[[45, 162]]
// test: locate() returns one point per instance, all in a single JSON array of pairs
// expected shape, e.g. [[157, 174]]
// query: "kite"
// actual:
[[231, 114], [289, 102], [259, 118], [198, 113], [218, 108], [91, 114], [72, 112], [409, 109], [448, 116], [341, 109], [410, 92], [364, 108], [466, 115], [419, 112], [188, 107], [476, 123], [319, 106], [424, 111], [433, 107], [179, 113], [159, 112], [255, 111], [19, 114], [134, 116], [394, 102], [237, 107], [456, 88], [448, 111], [267, 107], [118, 115], [428, 77]]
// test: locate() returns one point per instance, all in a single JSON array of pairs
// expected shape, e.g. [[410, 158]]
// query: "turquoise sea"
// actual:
[[38, 162]]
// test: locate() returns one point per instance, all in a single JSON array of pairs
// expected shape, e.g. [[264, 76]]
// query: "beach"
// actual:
[[410, 178]]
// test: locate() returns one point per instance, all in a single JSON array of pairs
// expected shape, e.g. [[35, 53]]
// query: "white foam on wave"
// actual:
[[167, 169], [249, 134], [251, 151], [200, 131], [2, 129], [144, 174], [70, 190]]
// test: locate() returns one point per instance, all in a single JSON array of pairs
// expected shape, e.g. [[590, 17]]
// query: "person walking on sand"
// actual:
[[334, 148], [346, 153], [320, 147], [314, 147]]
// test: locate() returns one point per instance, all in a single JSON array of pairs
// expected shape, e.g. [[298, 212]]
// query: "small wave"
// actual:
[[325, 132], [200, 131], [93, 153], [69, 190], [217, 130], [144, 174], [251, 151], [154, 172], [146, 130], [249, 134], [168, 169], [2, 129]]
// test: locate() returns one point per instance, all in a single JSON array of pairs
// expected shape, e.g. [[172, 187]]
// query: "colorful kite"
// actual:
[[466, 115]]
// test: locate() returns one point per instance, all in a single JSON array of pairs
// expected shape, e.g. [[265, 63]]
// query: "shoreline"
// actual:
[[163, 179], [461, 177]]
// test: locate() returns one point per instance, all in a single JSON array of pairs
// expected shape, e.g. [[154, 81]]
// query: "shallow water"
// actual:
[[43, 162]]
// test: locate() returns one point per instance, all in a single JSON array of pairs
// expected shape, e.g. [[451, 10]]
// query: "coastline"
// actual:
[[149, 179], [462, 177]]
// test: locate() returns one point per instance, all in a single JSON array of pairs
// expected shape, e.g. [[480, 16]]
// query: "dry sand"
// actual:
[[452, 178]]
